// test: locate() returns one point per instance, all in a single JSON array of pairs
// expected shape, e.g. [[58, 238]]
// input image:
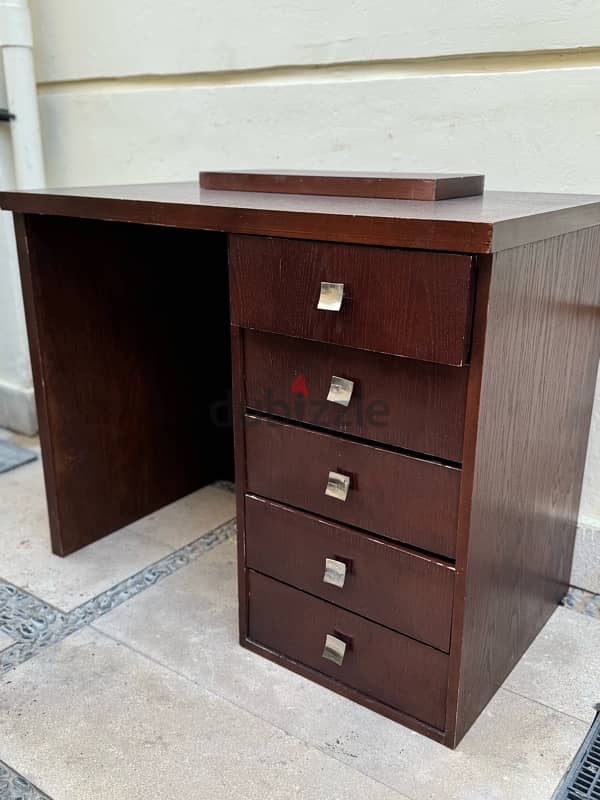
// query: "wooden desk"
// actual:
[[446, 539]]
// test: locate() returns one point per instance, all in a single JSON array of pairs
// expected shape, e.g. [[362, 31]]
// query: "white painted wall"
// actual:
[[143, 90], [17, 405]]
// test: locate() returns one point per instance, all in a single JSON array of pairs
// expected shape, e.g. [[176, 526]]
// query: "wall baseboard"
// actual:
[[586, 560], [17, 409]]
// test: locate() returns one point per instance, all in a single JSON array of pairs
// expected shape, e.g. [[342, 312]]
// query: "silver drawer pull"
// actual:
[[331, 296], [340, 391], [335, 572], [334, 650], [338, 486]]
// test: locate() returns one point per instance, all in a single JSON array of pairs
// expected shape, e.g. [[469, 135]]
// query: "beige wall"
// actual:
[[141, 90]]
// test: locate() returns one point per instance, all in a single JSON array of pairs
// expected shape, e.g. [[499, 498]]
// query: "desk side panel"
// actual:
[[538, 374], [129, 335]]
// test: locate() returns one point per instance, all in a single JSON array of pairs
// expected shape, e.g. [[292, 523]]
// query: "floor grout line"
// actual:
[[545, 705], [229, 701]]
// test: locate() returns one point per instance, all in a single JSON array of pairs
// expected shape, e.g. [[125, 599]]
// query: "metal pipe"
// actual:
[[16, 41], [26, 172]]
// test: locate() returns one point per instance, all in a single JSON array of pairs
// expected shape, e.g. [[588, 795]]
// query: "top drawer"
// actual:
[[408, 303]]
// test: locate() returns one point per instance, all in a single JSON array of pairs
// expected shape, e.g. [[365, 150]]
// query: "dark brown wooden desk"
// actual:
[[127, 303]]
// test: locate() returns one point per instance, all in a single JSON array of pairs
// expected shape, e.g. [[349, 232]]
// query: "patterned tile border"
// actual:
[[35, 625], [29, 622], [584, 602], [15, 787]]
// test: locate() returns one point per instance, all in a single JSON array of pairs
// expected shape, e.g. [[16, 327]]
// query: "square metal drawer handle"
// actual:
[[340, 391], [334, 650], [335, 572], [338, 486], [331, 296]]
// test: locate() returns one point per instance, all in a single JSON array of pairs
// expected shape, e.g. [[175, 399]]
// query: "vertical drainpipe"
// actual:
[[16, 41]]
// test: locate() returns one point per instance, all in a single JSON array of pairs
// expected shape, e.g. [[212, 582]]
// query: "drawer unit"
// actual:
[[403, 302], [411, 404], [388, 584], [404, 674], [386, 502], [412, 500]]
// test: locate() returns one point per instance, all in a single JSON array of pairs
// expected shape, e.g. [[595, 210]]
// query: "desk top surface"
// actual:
[[482, 224]]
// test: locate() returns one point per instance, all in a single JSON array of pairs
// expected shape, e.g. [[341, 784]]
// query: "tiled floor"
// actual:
[[129, 683]]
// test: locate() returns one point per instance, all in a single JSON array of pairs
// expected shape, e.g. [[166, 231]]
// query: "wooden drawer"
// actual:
[[403, 302], [398, 401], [397, 496], [398, 671], [386, 583]]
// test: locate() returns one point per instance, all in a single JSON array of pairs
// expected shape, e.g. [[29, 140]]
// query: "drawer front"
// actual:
[[397, 401], [397, 496], [403, 302], [398, 671], [386, 583]]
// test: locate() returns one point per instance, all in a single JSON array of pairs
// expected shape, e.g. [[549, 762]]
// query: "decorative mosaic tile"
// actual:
[[15, 787], [31, 623], [35, 625], [583, 602]]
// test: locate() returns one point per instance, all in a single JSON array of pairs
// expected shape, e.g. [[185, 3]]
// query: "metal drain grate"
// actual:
[[582, 781]]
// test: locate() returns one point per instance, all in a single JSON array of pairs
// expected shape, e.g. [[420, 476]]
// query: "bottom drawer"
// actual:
[[400, 672]]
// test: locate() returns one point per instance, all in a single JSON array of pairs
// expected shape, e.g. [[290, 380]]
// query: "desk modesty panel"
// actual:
[[412, 387]]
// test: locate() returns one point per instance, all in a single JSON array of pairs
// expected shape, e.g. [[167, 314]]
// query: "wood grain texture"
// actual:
[[401, 497], [400, 302], [410, 676], [383, 581], [399, 186], [396, 401], [125, 401], [542, 347], [494, 221], [484, 264]]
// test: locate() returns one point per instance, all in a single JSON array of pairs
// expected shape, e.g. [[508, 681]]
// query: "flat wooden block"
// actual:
[[390, 185]]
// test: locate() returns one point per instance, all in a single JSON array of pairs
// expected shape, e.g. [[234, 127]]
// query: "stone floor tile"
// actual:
[[188, 518], [68, 582], [562, 667], [64, 582], [94, 720]]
